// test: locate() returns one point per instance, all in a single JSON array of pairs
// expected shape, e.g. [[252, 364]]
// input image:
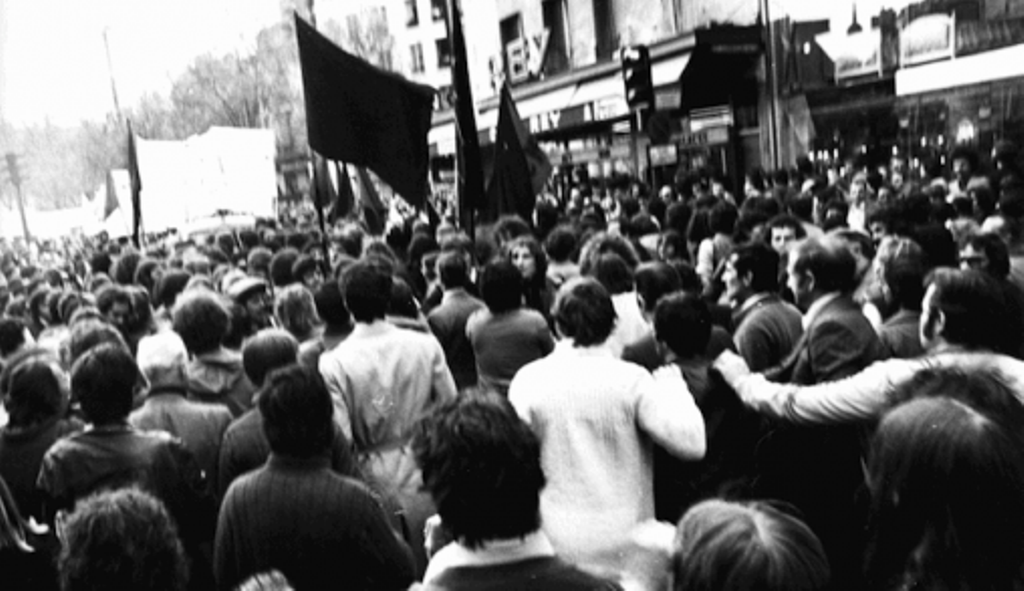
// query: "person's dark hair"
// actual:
[[267, 350], [481, 465], [100, 263], [366, 286], [722, 218], [946, 505], [453, 270], [654, 280], [36, 391], [297, 411], [169, 286], [509, 227], [89, 333], [103, 380], [613, 273], [402, 301], [740, 546], [303, 264], [671, 239], [330, 305], [683, 322], [996, 251], [257, 262], [602, 243], [584, 312], [829, 260], [762, 262], [36, 303], [501, 286], [12, 335], [112, 294], [202, 320], [121, 539], [561, 244], [144, 273], [973, 307], [967, 153], [280, 268], [124, 268]]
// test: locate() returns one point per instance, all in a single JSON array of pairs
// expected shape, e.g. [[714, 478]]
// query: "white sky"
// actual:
[[52, 62]]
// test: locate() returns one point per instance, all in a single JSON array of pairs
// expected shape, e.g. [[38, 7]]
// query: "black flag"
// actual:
[[510, 190], [136, 181], [358, 114], [470, 187]]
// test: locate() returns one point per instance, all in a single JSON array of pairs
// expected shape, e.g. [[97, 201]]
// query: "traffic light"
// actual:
[[636, 73], [12, 168]]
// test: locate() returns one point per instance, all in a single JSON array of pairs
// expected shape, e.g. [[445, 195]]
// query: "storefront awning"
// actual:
[[670, 70], [1007, 62]]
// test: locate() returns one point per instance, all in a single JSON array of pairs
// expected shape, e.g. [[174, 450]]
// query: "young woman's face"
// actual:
[[524, 260]]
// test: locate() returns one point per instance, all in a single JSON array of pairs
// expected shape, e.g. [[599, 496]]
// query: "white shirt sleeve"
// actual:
[[668, 413]]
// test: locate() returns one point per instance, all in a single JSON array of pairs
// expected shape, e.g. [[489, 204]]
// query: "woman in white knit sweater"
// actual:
[[596, 417]]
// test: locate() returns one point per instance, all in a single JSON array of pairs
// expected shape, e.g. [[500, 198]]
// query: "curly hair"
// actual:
[[202, 320], [122, 539], [602, 243], [481, 464]]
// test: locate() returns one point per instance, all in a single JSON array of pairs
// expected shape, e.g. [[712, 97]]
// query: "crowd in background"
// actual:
[[810, 382]]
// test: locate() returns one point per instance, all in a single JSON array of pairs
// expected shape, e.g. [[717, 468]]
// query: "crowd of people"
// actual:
[[813, 383]]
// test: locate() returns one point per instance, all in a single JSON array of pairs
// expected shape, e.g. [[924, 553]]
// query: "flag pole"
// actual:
[[317, 199]]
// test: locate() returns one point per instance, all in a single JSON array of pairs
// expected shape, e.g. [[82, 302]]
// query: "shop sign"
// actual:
[[928, 38], [663, 155], [706, 137], [855, 54]]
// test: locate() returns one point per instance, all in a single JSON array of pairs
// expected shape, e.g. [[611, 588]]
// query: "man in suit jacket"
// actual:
[[838, 340], [448, 320], [818, 469]]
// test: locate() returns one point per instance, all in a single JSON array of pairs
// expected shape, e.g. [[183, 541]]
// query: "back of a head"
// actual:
[[830, 261], [90, 333], [297, 412], [280, 268], [560, 244], [163, 358], [12, 335], [481, 464], [366, 286], [453, 270], [36, 391], [501, 286], [613, 273], [973, 308], [683, 322], [584, 312], [267, 350], [202, 320], [295, 309], [727, 546], [654, 280], [947, 507], [121, 539], [330, 305], [104, 381]]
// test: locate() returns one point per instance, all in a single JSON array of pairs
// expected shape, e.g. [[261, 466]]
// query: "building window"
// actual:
[[437, 10], [416, 53], [556, 58], [604, 29], [412, 16], [511, 29], [444, 53]]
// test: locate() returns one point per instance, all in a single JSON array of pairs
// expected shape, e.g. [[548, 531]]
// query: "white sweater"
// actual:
[[596, 416]]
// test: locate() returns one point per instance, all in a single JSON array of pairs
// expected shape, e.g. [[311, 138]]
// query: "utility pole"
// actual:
[[15, 176], [773, 84]]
